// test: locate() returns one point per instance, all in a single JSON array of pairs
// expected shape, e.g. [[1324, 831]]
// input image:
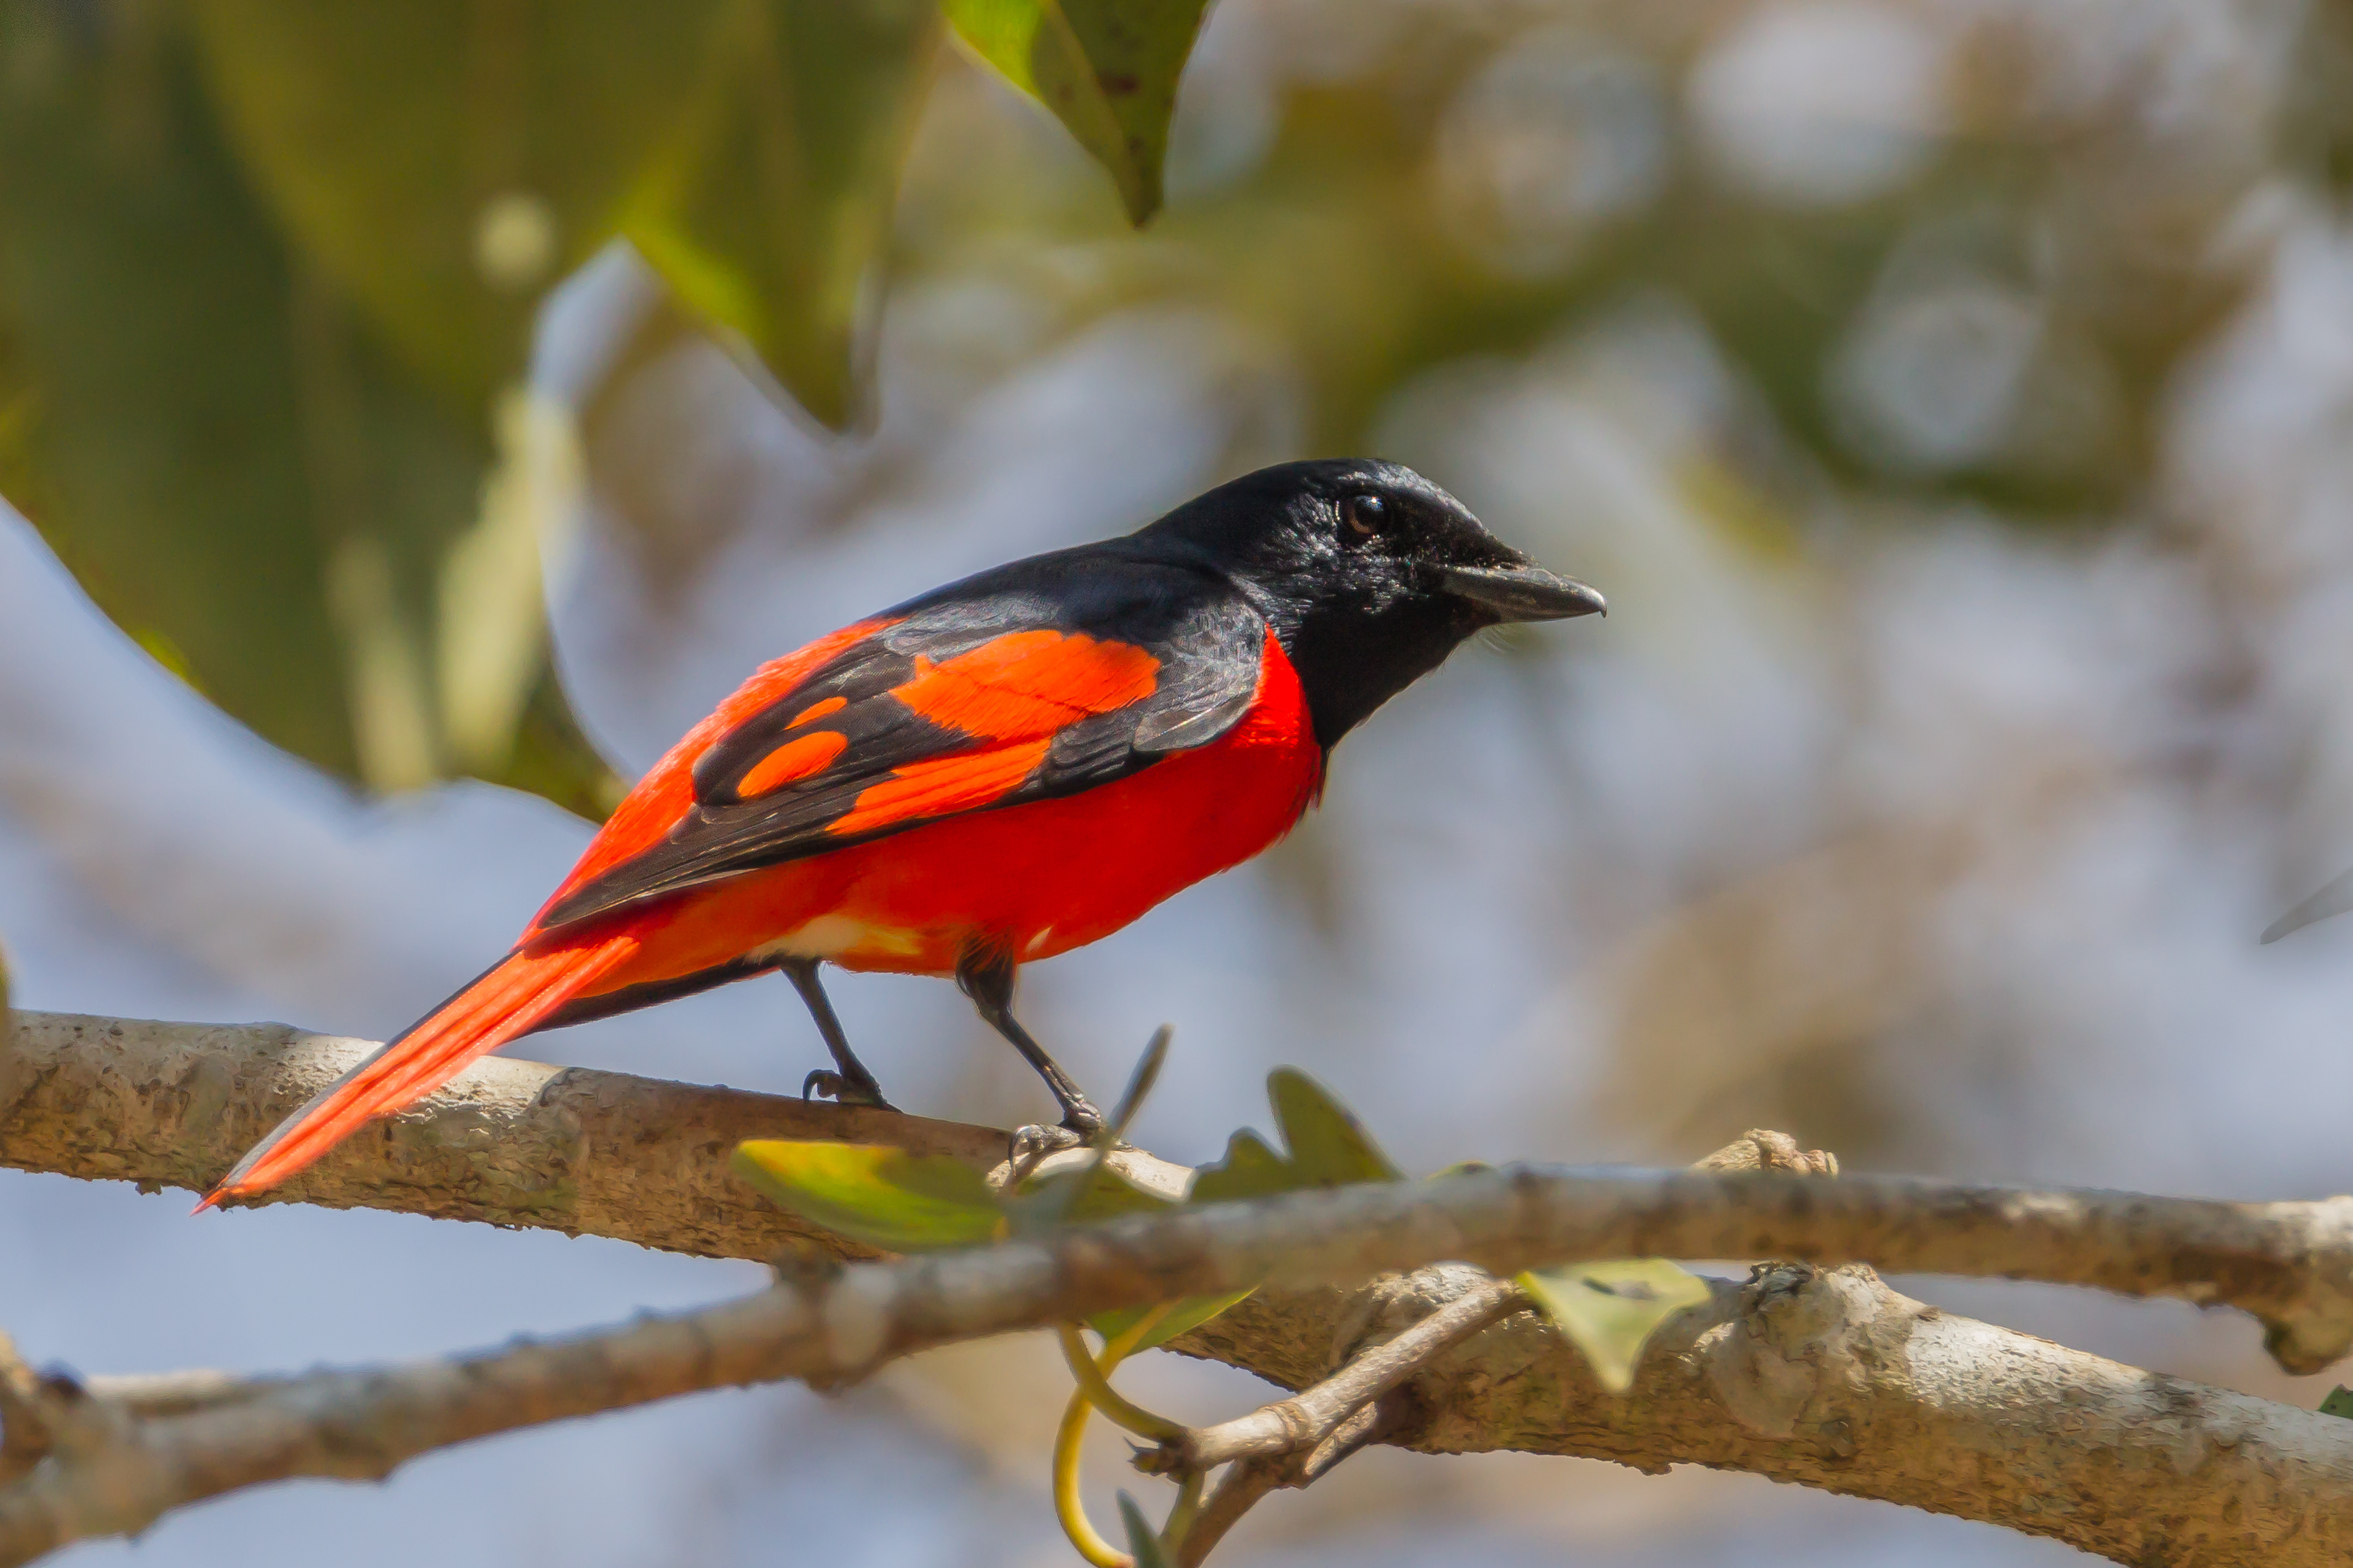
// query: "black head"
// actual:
[[1369, 574]]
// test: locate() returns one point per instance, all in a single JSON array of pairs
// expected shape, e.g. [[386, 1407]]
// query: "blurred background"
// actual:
[[1953, 397]]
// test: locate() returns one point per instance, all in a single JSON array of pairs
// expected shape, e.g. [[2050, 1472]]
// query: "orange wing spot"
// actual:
[[944, 784], [819, 710], [1028, 683], [793, 760], [667, 793]]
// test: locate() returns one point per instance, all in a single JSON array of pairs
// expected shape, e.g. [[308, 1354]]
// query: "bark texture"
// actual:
[[508, 1142], [1811, 1371]]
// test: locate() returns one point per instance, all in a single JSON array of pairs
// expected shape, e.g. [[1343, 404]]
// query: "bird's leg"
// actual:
[[853, 1085], [986, 976]]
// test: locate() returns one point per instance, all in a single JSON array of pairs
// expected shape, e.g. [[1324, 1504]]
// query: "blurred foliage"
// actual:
[[1107, 69], [267, 271], [1475, 180], [267, 276]]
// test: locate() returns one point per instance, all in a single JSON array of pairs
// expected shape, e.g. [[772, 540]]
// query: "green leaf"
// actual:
[[1184, 1316], [443, 161], [1329, 1147], [884, 1197], [1250, 1170], [767, 208], [1609, 1311], [1139, 1086], [1107, 69], [2339, 1402], [207, 438], [1142, 1540], [232, 458]]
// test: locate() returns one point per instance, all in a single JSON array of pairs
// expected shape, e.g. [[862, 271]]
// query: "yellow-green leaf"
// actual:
[[1107, 69], [1609, 1311], [1329, 1147], [1184, 1315], [882, 1196], [767, 208]]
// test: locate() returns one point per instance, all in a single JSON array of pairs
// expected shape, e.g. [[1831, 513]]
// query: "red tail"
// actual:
[[508, 1002]]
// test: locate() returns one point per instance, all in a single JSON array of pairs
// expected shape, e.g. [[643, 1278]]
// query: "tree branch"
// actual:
[[509, 1142], [1816, 1375], [607, 1154], [1296, 1425]]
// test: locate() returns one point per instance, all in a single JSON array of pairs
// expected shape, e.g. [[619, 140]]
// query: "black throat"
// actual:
[[1351, 659]]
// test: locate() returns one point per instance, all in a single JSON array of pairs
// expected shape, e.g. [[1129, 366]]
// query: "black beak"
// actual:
[[1523, 593]]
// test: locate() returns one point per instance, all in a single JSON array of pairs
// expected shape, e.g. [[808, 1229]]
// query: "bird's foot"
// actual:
[[1081, 1126], [1030, 1145], [1082, 1120], [824, 1084]]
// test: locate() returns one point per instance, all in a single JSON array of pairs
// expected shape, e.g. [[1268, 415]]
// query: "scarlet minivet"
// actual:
[[999, 770]]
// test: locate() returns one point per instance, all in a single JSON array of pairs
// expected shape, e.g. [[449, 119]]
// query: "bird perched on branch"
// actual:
[[999, 771]]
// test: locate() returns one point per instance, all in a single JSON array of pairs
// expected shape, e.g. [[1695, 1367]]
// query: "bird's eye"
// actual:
[[1365, 513]]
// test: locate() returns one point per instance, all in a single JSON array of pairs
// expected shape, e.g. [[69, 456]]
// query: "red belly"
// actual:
[[1031, 880]]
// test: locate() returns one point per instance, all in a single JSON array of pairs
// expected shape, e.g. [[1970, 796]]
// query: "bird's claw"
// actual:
[[1032, 1145], [825, 1084]]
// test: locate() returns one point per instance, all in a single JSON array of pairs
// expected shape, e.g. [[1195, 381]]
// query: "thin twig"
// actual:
[[1241, 1489], [1378, 1422], [1305, 1435], [1304, 1420]]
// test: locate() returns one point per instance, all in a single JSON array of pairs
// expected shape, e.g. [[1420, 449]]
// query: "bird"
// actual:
[[988, 775]]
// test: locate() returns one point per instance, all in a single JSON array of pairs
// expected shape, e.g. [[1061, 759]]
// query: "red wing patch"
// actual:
[[1028, 683], [940, 786], [793, 760], [666, 792], [1017, 690], [888, 732]]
